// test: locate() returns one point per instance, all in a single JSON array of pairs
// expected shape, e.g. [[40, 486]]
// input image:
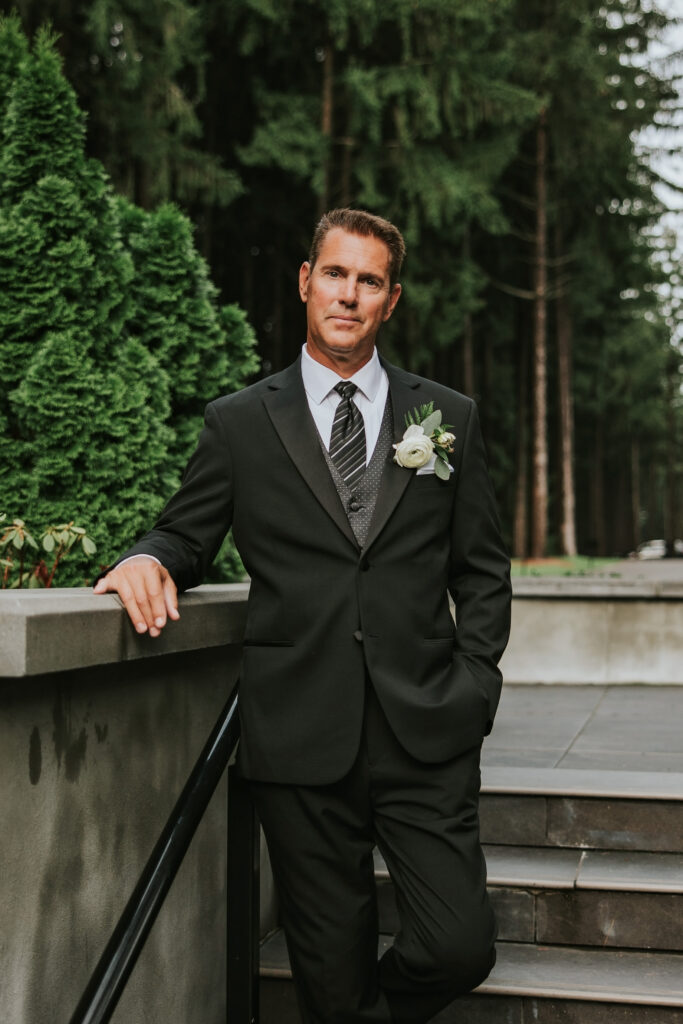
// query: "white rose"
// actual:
[[415, 449]]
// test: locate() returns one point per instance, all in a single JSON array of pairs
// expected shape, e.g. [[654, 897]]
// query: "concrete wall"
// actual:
[[99, 729], [579, 631], [92, 759]]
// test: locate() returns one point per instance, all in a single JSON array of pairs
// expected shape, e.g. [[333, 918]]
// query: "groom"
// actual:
[[363, 706]]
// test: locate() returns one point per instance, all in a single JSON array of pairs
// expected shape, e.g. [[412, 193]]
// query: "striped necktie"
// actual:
[[347, 443]]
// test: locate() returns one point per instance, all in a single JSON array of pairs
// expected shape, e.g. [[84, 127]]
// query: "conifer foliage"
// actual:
[[111, 337]]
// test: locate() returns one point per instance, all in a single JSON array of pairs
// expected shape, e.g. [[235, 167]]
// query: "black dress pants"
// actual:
[[424, 819]]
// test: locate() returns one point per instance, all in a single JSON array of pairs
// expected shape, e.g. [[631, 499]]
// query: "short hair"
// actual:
[[360, 222]]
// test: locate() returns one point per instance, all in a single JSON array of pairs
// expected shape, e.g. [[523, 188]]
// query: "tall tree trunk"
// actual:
[[279, 359], [348, 143], [599, 543], [326, 126], [539, 486], [520, 525], [635, 491], [671, 481], [566, 408], [468, 333]]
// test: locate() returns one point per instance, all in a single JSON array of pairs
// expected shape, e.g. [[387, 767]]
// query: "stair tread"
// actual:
[[548, 867], [582, 782], [552, 972]]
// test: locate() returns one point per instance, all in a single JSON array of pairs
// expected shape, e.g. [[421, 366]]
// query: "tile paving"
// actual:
[[621, 728]]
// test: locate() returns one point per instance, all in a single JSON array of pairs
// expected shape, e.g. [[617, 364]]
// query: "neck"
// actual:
[[344, 367]]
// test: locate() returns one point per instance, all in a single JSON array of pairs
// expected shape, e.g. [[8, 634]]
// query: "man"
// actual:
[[362, 706]]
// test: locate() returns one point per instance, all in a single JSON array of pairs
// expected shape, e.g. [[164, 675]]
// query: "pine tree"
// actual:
[[104, 361], [13, 50]]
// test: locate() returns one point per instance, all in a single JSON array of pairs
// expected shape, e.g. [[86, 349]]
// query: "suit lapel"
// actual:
[[405, 395], [287, 406]]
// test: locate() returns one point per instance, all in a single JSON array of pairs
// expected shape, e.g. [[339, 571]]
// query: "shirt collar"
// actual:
[[319, 380]]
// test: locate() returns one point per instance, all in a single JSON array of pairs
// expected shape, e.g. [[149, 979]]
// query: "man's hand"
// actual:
[[148, 593]]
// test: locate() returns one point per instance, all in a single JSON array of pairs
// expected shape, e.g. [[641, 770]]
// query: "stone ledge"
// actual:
[[59, 629], [577, 782], [586, 588]]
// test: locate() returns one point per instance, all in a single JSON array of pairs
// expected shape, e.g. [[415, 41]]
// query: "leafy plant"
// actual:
[[17, 542]]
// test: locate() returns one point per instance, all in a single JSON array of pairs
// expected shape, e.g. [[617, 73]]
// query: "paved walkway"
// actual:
[[619, 728]]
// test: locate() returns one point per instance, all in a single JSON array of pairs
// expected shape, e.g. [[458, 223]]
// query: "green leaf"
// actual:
[[441, 469], [432, 422], [89, 546], [18, 541], [48, 542]]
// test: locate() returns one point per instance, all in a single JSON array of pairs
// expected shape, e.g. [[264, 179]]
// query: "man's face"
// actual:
[[348, 297]]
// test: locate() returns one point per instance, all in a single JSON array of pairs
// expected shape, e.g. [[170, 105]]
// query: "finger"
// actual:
[[106, 584], [151, 580], [171, 597], [139, 584], [127, 595]]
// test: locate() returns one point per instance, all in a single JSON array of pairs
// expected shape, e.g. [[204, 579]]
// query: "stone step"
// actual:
[[581, 809], [543, 984], [570, 897]]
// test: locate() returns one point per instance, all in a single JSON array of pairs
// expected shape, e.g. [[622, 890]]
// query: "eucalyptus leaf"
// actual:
[[431, 423], [441, 469]]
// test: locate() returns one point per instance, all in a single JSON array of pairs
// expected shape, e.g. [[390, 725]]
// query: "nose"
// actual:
[[348, 290]]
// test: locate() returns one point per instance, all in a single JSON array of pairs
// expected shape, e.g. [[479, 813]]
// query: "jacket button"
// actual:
[[364, 564], [358, 636]]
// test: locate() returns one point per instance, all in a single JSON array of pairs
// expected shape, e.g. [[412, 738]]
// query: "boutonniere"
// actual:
[[425, 437]]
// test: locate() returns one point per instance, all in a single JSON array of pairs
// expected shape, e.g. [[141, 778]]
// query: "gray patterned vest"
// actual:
[[359, 503]]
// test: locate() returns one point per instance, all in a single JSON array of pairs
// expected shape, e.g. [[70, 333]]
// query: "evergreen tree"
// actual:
[[90, 339], [13, 50]]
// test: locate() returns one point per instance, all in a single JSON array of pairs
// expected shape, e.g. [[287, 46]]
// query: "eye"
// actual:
[[371, 282], [332, 273]]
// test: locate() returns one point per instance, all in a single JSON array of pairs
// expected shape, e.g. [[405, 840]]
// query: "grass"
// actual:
[[579, 565]]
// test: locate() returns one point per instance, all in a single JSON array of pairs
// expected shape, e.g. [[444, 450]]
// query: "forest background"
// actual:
[[502, 136]]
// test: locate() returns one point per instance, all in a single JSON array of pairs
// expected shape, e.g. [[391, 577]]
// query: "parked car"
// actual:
[[657, 549]]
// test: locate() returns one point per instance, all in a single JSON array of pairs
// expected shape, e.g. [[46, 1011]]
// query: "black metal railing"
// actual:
[[99, 1000]]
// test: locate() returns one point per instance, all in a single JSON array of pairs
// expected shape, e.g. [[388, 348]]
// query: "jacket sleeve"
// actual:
[[192, 526], [479, 573]]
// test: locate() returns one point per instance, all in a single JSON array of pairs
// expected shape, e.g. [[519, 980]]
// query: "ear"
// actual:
[[304, 278], [394, 296]]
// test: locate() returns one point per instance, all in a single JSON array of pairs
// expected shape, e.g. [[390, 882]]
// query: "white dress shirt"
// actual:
[[319, 382], [373, 386]]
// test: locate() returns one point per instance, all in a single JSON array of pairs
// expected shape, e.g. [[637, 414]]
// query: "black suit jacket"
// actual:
[[320, 610]]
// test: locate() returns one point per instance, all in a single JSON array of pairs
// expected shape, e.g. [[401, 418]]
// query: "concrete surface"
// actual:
[[593, 636], [99, 729], [590, 728]]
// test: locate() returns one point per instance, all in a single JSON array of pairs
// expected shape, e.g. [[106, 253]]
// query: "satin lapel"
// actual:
[[287, 407], [405, 395]]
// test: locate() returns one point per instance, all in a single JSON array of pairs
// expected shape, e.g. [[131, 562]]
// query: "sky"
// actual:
[[669, 161]]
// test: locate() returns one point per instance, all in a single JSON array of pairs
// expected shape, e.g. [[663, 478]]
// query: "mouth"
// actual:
[[344, 319]]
